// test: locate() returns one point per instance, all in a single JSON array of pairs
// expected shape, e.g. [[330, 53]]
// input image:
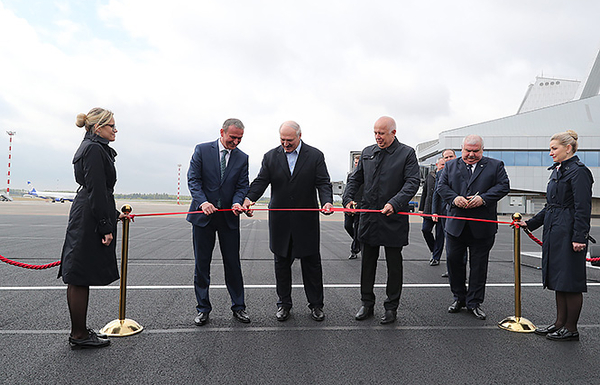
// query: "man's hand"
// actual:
[[474, 201], [208, 208], [246, 207], [460, 202], [434, 218], [388, 209], [327, 208], [237, 209]]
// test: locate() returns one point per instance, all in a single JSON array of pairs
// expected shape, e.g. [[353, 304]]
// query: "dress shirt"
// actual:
[[292, 157]]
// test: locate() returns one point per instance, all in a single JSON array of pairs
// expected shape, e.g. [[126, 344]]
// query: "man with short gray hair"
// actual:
[[296, 173], [472, 186]]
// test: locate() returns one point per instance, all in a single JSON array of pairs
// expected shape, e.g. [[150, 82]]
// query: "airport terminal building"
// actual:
[[521, 141]]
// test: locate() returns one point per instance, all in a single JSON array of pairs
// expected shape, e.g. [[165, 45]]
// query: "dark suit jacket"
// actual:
[[293, 191], [205, 184], [438, 205], [427, 193], [389, 176], [489, 180]]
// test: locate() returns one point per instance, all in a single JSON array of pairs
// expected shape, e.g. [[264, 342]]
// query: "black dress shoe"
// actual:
[[241, 316], [456, 306], [478, 313], [363, 313], [434, 262], [91, 342], [563, 334], [201, 318], [548, 329], [317, 314], [445, 275], [283, 313], [388, 317]]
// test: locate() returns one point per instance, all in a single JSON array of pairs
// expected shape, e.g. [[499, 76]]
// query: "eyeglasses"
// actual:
[[112, 127]]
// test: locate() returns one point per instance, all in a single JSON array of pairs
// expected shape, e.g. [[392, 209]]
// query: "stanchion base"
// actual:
[[517, 324], [121, 328]]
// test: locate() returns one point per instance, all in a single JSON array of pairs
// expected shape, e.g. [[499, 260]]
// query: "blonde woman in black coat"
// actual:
[[88, 255], [566, 221]]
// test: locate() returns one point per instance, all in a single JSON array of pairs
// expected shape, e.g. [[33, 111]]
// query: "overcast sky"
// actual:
[[173, 71]]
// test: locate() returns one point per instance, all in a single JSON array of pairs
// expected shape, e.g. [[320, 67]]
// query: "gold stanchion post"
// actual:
[[123, 327], [517, 323]]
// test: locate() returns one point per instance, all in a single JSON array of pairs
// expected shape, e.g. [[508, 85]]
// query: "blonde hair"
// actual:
[[97, 115], [566, 138]]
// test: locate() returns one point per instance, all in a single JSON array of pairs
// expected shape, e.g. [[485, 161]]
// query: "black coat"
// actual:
[[293, 191], [566, 219], [389, 175], [85, 260], [427, 193]]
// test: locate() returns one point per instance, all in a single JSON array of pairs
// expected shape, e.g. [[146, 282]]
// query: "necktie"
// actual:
[[470, 168], [223, 162]]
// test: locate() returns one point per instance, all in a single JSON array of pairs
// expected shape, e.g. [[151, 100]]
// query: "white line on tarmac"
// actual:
[[273, 329], [331, 286]]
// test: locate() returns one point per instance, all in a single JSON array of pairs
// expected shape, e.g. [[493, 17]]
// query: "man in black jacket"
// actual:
[[296, 173], [472, 186], [389, 172], [434, 243]]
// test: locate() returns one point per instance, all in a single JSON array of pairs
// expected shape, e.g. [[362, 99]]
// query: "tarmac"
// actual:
[[426, 345]]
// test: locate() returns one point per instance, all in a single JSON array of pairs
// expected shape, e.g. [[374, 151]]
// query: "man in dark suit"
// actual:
[[438, 205], [296, 173], [389, 171], [218, 179], [472, 185], [434, 243], [351, 220]]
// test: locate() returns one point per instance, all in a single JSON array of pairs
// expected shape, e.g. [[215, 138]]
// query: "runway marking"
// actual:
[[330, 286], [271, 329]]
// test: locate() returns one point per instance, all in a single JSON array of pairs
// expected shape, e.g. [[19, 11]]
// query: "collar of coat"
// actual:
[[389, 149], [102, 141], [564, 163]]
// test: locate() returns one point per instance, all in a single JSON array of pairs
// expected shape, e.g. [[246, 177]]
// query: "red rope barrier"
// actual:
[[536, 240], [28, 266]]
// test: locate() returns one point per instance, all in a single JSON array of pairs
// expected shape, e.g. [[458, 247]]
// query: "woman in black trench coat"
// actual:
[[566, 221], [88, 255]]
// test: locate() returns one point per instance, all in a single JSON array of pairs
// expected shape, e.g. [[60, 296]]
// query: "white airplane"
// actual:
[[54, 196]]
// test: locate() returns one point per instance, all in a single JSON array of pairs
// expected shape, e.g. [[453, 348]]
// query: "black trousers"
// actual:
[[312, 277], [393, 288], [229, 242], [351, 227], [479, 255]]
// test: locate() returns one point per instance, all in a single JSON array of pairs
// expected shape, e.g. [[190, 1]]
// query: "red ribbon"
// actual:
[[334, 209]]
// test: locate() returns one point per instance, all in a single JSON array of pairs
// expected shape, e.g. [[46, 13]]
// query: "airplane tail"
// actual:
[[31, 190]]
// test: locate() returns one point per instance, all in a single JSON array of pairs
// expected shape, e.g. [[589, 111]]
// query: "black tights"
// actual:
[[78, 298], [568, 308]]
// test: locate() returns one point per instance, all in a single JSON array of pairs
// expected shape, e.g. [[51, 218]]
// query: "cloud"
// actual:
[[173, 72]]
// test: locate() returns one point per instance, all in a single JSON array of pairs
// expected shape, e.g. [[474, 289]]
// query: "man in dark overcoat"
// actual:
[[218, 179], [296, 173], [472, 186], [389, 172], [435, 243]]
